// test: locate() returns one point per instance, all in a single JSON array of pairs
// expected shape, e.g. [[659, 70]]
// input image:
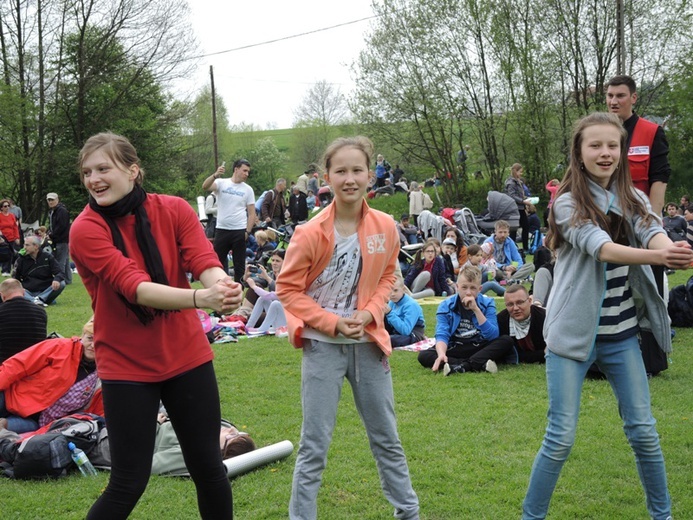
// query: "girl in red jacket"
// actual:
[[133, 250], [335, 282]]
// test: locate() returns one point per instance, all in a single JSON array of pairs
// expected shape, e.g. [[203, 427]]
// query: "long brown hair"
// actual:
[[576, 183]]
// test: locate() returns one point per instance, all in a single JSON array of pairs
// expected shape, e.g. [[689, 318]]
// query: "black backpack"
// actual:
[[681, 305], [46, 454]]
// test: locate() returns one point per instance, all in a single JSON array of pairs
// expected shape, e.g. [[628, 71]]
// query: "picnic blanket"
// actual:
[[419, 345]]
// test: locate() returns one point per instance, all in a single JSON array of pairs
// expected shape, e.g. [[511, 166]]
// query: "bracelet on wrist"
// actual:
[[195, 298]]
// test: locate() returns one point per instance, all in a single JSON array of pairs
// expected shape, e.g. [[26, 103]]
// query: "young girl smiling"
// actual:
[[606, 238], [335, 283], [133, 251]]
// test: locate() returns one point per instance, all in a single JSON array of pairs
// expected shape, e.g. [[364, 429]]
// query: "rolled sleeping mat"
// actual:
[[253, 459]]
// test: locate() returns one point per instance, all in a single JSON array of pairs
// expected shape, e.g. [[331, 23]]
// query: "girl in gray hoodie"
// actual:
[[606, 238]]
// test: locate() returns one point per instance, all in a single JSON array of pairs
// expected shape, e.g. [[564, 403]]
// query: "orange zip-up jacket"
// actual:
[[310, 252]]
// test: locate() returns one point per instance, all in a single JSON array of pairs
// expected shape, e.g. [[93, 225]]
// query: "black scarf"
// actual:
[[133, 203]]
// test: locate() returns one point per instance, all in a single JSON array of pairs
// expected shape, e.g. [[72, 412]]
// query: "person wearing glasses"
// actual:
[[426, 277], [524, 324], [235, 214], [39, 272]]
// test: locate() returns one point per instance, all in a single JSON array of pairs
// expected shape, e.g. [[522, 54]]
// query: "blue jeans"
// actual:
[[494, 286], [48, 295], [16, 423], [622, 363]]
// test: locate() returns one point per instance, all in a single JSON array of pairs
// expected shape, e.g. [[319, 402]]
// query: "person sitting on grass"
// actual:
[[52, 379], [264, 246], [524, 323], [426, 276], [404, 319], [267, 278], [475, 257], [408, 233], [452, 233], [41, 276], [23, 323], [506, 254], [267, 304], [467, 335]]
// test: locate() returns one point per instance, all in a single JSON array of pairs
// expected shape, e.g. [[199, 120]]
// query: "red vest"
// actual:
[[639, 153]]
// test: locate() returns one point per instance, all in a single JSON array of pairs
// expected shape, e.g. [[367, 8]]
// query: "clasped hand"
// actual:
[[355, 326]]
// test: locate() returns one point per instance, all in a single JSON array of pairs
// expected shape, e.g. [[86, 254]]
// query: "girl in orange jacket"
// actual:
[[335, 283]]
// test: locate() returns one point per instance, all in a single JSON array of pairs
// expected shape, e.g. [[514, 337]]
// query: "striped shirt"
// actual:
[[618, 318]]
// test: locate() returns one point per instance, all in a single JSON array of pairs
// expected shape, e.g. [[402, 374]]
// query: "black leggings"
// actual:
[[192, 403]]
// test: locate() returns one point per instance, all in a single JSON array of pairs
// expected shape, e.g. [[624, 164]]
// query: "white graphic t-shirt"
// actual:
[[336, 288]]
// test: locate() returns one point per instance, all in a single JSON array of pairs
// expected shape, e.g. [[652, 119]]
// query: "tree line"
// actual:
[[445, 87]]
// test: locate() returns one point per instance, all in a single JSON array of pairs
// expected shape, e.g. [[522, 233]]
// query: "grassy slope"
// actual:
[[470, 441]]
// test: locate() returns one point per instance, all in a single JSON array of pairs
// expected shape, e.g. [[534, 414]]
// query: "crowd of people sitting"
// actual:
[[31, 256]]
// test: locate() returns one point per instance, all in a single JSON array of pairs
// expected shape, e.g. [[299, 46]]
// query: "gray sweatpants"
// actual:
[[366, 367]]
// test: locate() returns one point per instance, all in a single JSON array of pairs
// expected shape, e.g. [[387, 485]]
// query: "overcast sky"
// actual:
[[265, 84]]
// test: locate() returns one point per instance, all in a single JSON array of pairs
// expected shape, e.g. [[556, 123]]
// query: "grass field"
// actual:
[[470, 441]]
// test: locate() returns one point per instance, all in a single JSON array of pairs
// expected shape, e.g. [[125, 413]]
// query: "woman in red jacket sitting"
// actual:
[[52, 379]]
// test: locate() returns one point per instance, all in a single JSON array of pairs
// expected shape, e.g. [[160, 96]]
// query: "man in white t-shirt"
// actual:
[[235, 214]]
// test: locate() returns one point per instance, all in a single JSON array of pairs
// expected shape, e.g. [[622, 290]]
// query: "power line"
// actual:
[[284, 38]]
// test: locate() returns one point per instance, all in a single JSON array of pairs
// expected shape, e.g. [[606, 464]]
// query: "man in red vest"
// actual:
[[649, 168], [647, 145]]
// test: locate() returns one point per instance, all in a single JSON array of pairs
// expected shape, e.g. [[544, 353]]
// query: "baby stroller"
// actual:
[[500, 207], [466, 222], [406, 256], [325, 196], [284, 234]]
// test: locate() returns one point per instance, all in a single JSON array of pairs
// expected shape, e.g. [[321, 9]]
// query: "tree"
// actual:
[[322, 108], [78, 67], [508, 77], [266, 163]]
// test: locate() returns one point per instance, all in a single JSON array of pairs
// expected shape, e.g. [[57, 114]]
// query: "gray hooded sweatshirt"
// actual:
[[573, 308]]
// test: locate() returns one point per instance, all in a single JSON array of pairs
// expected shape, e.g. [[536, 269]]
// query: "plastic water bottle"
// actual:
[[445, 294], [82, 461]]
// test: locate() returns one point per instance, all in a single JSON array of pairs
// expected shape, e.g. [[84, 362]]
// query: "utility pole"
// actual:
[[620, 39], [214, 119]]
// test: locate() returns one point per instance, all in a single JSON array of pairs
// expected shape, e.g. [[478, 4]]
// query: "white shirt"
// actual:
[[233, 200]]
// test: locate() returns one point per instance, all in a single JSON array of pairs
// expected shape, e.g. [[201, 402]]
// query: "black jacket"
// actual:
[[536, 333], [59, 220], [37, 275]]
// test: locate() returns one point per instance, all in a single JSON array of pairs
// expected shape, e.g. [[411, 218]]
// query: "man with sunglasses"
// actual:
[[524, 323]]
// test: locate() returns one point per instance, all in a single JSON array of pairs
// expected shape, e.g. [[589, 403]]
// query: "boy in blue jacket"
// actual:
[[467, 336], [404, 318]]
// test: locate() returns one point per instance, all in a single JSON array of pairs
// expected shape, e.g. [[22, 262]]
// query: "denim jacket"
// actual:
[[448, 318]]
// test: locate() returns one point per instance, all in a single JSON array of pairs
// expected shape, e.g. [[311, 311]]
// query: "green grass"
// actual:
[[470, 441]]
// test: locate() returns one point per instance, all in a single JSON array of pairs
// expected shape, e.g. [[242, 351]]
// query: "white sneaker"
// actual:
[[446, 369], [491, 367], [6, 274]]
